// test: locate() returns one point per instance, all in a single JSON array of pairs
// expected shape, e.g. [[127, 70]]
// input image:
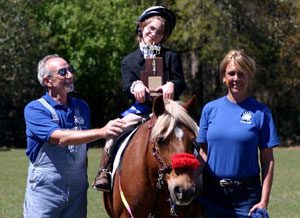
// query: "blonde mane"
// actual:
[[167, 121]]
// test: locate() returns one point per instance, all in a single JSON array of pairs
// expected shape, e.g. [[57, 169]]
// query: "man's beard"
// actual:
[[69, 87]]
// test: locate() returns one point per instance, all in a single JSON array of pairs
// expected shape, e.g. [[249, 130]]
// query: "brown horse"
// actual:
[[158, 176]]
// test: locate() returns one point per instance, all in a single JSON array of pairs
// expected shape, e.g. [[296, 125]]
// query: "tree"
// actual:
[[94, 35], [21, 43], [267, 30]]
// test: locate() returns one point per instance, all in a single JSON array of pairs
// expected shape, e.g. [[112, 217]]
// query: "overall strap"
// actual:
[[55, 118]]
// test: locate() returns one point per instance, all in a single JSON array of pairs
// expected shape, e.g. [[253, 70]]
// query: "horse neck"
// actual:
[[140, 148]]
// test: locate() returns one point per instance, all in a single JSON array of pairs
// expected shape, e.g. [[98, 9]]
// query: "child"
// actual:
[[154, 26]]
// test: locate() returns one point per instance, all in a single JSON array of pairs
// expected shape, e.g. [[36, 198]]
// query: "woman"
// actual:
[[231, 131], [154, 26]]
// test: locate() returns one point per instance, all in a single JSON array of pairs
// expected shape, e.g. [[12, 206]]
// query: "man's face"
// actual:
[[61, 78]]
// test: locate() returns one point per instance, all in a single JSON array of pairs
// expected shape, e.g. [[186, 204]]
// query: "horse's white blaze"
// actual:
[[179, 133]]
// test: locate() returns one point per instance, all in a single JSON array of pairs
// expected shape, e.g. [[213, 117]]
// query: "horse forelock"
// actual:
[[167, 122]]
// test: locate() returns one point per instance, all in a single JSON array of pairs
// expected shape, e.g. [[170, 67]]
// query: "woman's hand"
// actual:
[[262, 205]]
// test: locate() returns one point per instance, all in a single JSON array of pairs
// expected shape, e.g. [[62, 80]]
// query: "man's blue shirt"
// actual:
[[40, 125], [234, 132]]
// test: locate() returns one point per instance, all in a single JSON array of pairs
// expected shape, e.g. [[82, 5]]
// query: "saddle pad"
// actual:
[[119, 155]]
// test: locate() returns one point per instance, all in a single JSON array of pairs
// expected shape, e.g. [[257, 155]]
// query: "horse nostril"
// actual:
[[177, 189], [183, 194], [178, 192]]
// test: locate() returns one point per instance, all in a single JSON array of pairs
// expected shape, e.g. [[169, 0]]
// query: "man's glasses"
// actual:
[[64, 71]]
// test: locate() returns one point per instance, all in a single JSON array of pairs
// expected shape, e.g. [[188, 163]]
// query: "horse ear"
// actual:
[[190, 103], [158, 106]]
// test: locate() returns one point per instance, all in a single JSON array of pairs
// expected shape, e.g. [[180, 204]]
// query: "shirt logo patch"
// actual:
[[246, 117], [79, 122]]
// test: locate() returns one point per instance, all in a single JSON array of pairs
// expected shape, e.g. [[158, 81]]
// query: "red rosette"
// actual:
[[185, 161]]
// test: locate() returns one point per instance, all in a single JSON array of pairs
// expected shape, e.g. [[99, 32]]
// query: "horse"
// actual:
[[158, 175]]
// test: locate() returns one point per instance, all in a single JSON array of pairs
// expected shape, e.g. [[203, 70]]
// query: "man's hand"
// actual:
[[113, 128]]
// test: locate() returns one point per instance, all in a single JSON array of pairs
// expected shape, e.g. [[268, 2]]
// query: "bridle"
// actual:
[[162, 171], [163, 167]]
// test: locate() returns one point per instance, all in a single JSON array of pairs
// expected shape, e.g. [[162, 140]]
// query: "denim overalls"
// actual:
[[57, 180]]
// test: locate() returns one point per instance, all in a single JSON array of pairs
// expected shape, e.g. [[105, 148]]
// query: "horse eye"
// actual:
[[160, 141]]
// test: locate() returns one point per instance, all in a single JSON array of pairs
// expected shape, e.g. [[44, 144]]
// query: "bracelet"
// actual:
[[134, 84]]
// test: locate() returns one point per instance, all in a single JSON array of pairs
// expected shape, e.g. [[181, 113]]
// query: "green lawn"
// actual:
[[285, 197]]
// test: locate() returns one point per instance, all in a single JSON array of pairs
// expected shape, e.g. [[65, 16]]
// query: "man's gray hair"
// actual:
[[42, 68]]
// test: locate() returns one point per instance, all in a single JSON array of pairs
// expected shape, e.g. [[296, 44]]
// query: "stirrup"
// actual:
[[103, 187]]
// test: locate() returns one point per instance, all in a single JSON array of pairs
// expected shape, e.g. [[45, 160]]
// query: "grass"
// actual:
[[284, 203], [14, 164], [285, 196]]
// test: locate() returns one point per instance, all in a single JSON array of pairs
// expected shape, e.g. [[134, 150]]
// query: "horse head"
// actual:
[[158, 165], [173, 138]]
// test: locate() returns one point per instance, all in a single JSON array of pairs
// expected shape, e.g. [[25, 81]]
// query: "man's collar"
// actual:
[[54, 103]]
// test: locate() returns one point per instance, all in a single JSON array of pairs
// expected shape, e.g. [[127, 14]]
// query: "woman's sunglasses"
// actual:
[[64, 71]]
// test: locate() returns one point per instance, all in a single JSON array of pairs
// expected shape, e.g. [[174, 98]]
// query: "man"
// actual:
[[57, 129]]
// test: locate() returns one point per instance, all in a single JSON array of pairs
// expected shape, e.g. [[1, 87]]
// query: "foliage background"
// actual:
[[94, 35]]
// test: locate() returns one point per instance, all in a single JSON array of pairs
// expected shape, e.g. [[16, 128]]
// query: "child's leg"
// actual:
[[103, 178]]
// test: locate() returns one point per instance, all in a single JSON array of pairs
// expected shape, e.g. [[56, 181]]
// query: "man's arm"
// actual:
[[77, 137]]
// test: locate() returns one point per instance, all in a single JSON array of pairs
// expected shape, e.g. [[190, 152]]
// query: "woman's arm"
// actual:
[[267, 166], [203, 155]]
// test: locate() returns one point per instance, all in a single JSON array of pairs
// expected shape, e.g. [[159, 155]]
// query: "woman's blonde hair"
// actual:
[[242, 62]]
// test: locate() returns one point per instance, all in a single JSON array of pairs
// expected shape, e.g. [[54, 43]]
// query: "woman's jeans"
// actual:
[[229, 201]]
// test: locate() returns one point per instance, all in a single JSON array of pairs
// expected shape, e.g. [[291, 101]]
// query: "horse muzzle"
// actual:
[[182, 182], [182, 194]]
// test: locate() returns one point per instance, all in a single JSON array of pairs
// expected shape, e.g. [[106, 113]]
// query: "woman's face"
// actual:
[[237, 82], [153, 33]]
